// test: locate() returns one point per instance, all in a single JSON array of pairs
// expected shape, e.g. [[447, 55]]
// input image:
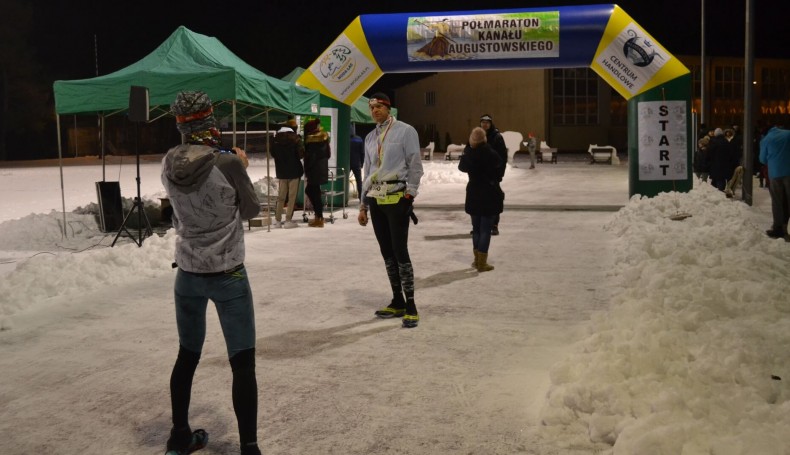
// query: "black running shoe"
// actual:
[[389, 312], [411, 320]]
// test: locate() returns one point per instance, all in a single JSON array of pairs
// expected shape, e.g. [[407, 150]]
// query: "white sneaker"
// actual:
[[279, 224], [290, 225]]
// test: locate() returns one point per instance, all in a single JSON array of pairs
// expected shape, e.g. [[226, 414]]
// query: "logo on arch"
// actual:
[[337, 64]]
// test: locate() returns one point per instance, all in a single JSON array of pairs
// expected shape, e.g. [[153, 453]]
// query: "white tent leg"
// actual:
[[268, 179], [60, 163]]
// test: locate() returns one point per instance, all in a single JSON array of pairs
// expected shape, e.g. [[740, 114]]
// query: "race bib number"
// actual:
[[377, 190]]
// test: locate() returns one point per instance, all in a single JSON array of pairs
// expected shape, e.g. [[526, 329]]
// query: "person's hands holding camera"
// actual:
[[241, 154]]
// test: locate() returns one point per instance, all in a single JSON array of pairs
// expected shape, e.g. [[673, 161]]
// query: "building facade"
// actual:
[[570, 108]]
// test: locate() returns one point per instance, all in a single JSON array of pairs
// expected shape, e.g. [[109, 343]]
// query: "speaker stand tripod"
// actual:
[[138, 206]]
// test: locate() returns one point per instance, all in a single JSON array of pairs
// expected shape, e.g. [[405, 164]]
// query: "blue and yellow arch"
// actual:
[[603, 37]]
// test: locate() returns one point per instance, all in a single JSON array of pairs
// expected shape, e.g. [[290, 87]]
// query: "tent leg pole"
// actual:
[[101, 122], [60, 164], [233, 104], [268, 180]]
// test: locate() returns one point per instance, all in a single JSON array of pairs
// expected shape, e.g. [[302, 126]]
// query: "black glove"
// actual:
[[409, 201]]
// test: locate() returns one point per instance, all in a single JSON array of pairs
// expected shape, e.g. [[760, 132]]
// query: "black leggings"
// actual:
[[391, 225], [245, 391], [313, 191]]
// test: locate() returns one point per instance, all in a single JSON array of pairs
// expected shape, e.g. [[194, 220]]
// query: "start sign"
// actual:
[[663, 141]]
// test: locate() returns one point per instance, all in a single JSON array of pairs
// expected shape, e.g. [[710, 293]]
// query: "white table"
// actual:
[[603, 154], [454, 152]]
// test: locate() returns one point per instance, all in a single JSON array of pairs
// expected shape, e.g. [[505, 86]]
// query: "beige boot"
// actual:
[[474, 263], [316, 222], [482, 262]]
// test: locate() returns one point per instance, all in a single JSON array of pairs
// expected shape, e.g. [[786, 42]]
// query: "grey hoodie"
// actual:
[[211, 194]]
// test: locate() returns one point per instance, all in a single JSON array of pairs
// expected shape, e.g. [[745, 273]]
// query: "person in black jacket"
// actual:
[[497, 143], [484, 197], [287, 151], [356, 160], [721, 159], [316, 167]]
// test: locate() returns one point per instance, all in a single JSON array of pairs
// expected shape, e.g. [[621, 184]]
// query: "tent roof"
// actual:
[[360, 112], [185, 61]]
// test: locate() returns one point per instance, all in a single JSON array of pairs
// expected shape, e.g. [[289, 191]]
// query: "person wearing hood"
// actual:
[[484, 197], [211, 194], [287, 151], [316, 167], [496, 142]]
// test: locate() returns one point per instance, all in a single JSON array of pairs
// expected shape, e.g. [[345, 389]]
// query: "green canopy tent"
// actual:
[[185, 61]]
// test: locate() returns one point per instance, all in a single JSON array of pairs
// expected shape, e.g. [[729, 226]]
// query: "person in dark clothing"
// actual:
[[287, 151], [497, 143], [211, 194], [357, 159], [316, 167], [721, 162], [484, 197], [701, 165]]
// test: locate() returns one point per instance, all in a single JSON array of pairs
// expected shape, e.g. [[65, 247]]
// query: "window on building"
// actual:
[[726, 105], [728, 82], [776, 84], [618, 109], [574, 96], [430, 98], [775, 99]]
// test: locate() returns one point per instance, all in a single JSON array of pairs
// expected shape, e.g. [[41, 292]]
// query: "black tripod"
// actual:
[[138, 205]]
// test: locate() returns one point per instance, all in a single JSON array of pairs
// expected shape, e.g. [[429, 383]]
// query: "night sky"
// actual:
[[275, 37]]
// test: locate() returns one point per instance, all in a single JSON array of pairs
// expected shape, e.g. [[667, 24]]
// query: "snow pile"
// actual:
[[688, 357], [45, 276]]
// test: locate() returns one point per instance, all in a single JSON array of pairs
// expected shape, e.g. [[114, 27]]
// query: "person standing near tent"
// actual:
[[393, 169], [496, 142], [287, 151], [316, 167], [483, 195], [211, 194], [356, 158]]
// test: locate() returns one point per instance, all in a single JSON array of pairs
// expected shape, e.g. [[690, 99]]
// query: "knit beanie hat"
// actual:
[[477, 137], [718, 132], [312, 126], [193, 112]]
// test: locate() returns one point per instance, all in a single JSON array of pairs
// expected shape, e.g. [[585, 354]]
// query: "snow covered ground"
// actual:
[[600, 331]]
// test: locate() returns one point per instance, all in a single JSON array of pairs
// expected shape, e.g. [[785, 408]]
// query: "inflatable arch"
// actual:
[[603, 37]]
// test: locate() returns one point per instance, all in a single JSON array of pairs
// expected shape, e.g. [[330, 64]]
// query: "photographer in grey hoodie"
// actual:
[[211, 194]]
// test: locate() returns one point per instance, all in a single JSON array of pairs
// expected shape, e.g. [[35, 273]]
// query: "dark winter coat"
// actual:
[[316, 158], [722, 159], [484, 197], [287, 151], [357, 157], [497, 143]]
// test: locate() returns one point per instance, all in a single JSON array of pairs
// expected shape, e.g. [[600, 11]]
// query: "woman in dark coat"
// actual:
[[484, 197], [316, 167]]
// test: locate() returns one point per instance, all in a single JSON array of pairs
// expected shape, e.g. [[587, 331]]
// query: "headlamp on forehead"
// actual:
[[374, 101]]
